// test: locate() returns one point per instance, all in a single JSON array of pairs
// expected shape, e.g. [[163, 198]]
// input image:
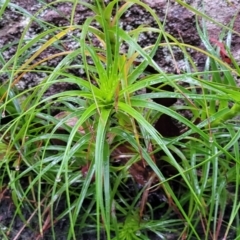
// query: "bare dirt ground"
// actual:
[[181, 23]]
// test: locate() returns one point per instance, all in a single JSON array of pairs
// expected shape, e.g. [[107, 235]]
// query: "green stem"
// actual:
[[233, 112]]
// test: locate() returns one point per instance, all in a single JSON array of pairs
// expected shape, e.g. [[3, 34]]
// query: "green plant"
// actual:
[[70, 156]]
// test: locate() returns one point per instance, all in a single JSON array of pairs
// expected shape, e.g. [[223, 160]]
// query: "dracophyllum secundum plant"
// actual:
[[113, 83], [70, 155]]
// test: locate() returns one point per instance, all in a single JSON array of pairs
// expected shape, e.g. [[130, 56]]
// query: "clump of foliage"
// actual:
[[103, 154]]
